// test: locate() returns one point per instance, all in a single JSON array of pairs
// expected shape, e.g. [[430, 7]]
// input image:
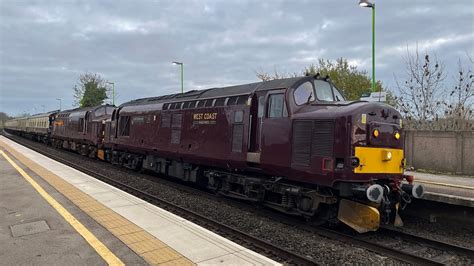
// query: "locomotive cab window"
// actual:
[[304, 93], [323, 91], [276, 106]]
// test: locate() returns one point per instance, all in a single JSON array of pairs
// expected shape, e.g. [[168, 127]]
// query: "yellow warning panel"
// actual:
[[360, 217], [379, 160]]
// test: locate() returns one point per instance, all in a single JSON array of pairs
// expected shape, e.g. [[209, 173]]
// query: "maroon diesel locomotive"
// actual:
[[81, 129], [293, 144]]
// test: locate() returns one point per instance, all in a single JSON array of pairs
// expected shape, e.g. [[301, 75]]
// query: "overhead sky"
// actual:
[[46, 45]]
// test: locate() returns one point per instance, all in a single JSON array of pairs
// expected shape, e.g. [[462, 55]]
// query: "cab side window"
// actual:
[[276, 106]]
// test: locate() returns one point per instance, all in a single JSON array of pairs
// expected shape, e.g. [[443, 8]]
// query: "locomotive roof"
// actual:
[[84, 109], [244, 89]]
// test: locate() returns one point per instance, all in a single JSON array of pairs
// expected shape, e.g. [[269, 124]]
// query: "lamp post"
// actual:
[[182, 73], [113, 91], [366, 3], [60, 103]]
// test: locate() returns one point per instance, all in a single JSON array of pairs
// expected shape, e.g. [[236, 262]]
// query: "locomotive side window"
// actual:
[[220, 102], [201, 103], [276, 104], [124, 126], [232, 100], [323, 90], [81, 125], [304, 93], [261, 106], [242, 99], [238, 117], [209, 103]]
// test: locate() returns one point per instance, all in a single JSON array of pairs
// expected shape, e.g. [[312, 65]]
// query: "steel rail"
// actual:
[[270, 249]]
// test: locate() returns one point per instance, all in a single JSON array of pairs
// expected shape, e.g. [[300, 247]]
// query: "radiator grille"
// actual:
[[323, 138], [312, 138], [301, 152]]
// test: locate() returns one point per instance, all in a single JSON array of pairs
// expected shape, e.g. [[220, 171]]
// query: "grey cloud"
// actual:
[[45, 45]]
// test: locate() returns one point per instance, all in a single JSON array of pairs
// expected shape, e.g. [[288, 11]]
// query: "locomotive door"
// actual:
[[257, 112]]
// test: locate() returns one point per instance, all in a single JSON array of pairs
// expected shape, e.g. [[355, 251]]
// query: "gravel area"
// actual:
[[321, 249]]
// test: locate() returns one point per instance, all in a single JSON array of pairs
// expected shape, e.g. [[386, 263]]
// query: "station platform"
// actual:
[[456, 190], [53, 214]]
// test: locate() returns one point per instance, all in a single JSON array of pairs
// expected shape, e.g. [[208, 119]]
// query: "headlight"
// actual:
[[386, 155], [397, 135], [376, 133]]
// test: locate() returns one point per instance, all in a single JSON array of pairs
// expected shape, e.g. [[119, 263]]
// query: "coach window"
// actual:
[[276, 106], [304, 93]]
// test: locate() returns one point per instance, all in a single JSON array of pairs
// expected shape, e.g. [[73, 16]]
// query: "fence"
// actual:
[[444, 151]]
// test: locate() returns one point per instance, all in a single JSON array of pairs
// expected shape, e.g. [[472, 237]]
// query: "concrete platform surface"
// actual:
[[457, 190], [114, 207], [33, 232]]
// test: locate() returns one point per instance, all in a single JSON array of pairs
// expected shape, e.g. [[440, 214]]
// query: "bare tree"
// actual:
[[276, 75], [459, 110], [421, 93]]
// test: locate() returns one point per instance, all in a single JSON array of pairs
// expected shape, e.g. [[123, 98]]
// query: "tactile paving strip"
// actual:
[[151, 249]]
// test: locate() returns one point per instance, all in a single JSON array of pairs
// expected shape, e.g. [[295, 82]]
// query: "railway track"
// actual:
[[402, 246], [413, 256]]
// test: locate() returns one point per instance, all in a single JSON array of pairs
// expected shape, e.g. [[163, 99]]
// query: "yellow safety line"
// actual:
[[443, 184], [95, 243]]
